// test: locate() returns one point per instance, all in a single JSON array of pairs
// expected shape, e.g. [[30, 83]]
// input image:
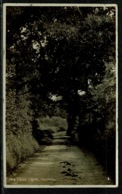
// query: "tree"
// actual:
[[69, 47], [98, 125]]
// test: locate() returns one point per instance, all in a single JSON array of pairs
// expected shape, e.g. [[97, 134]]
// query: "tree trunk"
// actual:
[[73, 116]]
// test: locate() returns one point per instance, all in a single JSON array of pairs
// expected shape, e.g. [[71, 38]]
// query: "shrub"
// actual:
[[19, 141]]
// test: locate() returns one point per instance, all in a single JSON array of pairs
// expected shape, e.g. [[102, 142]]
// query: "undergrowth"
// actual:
[[19, 141]]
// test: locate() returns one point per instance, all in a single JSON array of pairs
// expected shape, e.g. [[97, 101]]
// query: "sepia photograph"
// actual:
[[60, 91]]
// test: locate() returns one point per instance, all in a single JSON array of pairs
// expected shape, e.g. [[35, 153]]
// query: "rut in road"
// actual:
[[60, 164]]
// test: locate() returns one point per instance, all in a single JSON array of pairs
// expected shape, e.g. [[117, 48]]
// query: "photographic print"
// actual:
[[60, 93]]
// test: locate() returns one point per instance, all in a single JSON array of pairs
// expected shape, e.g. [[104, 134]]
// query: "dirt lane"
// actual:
[[60, 164]]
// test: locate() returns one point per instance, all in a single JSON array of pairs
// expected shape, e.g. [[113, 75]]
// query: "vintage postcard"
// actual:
[[60, 91]]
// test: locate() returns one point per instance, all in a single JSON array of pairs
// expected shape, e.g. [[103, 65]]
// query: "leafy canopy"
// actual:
[[60, 50]]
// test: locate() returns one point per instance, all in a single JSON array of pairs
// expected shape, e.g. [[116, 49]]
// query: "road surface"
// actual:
[[60, 164]]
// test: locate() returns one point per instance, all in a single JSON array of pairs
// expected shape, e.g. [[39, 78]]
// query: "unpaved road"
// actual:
[[60, 164]]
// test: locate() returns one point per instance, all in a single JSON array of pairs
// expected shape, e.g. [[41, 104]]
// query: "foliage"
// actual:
[[60, 51], [98, 128], [19, 141], [54, 123], [67, 52]]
